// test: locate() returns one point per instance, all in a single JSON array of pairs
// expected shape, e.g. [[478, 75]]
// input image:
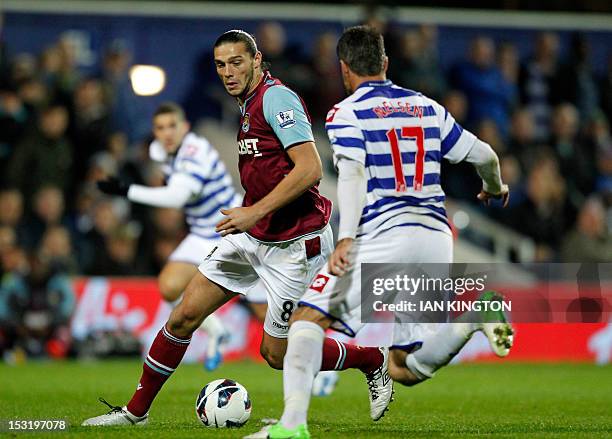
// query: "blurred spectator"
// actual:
[[576, 160], [508, 62], [15, 260], [575, 81], [14, 119], [125, 107], [417, 69], [8, 238], [590, 241], [23, 68], [456, 104], [45, 316], [13, 296], [56, 250], [47, 211], [90, 127], [599, 140], [11, 211], [272, 42], [543, 215], [489, 94], [488, 132], [50, 64], [537, 82], [118, 256], [45, 153], [67, 76], [34, 94], [325, 88], [106, 217], [522, 142]]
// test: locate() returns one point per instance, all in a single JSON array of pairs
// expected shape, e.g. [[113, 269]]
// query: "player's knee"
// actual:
[[169, 287], [273, 358], [184, 320]]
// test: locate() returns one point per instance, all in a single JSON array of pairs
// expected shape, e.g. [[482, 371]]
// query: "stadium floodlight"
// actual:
[[147, 80]]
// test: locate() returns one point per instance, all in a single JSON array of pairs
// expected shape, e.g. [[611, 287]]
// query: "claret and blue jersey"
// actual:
[[401, 137]]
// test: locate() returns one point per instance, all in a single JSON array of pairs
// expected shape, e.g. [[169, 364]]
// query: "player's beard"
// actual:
[[248, 83]]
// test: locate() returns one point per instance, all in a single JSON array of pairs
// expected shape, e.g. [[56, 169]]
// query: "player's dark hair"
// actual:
[[170, 108], [363, 50], [238, 36]]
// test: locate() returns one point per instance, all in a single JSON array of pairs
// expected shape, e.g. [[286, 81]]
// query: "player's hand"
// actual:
[[237, 220], [338, 262], [113, 186], [503, 195]]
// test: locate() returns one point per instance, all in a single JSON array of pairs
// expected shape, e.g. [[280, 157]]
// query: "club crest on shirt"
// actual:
[[285, 119], [246, 123]]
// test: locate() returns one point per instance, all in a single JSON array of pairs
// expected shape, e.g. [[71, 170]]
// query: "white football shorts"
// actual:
[[241, 263], [194, 249], [340, 297]]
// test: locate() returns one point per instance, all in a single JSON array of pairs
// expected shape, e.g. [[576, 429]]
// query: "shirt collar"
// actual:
[[385, 82]]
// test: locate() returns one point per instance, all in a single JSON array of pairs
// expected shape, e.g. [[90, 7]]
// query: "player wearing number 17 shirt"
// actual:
[[388, 144]]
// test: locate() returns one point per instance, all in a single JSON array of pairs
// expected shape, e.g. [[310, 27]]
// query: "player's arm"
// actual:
[[352, 195], [175, 194], [349, 147], [286, 115], [306, 172], [486, 162], [458, 145]]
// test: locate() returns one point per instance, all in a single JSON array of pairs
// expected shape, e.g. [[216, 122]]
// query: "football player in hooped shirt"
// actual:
[[280, 237]]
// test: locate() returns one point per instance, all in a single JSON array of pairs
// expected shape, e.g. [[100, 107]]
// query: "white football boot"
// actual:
[[380, 386], [324, 383], [116, 416]]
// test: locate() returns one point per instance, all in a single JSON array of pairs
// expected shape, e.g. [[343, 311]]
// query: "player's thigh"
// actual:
[[174, 278], [259, 310], [273, 350], [201, 298]]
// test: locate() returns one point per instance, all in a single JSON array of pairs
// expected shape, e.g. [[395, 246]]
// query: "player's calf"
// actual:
[[273, 350], [399, 372]]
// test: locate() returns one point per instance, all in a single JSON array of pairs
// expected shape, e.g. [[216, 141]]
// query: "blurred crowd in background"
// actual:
[[547, 116]]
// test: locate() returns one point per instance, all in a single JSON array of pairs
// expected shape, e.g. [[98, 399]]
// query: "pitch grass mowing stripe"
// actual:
[[473, 400]]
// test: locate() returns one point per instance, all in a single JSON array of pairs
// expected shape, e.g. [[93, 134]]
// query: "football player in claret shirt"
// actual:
[[280, 237]]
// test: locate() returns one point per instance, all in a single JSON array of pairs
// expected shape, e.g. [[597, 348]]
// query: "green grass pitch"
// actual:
[[471, 400]]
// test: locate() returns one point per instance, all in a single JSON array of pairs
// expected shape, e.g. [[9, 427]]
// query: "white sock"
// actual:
[[212, 325], [439, 348], [302, 362]]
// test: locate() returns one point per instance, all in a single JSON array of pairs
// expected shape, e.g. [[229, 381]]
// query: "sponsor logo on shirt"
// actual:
[[248, 146], [285, 119], [246, 123]]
